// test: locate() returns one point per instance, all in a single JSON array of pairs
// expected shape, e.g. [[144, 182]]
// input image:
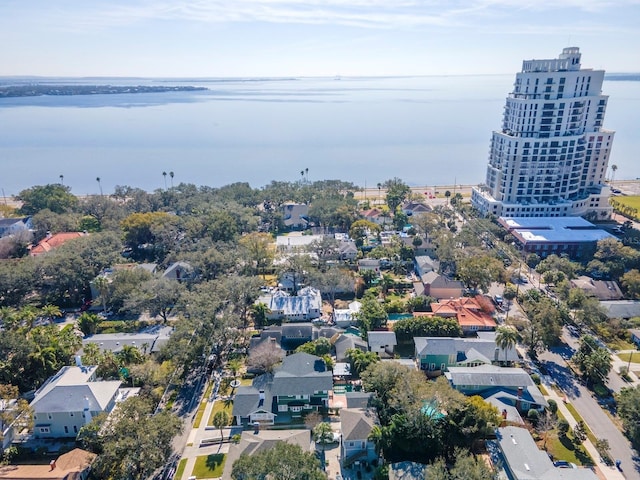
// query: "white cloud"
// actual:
[[355, 13]]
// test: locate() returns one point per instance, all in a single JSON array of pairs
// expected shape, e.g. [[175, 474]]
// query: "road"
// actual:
[[598, 421]]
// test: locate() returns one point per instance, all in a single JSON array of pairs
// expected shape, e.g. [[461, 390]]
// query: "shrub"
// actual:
[[563, 427], [553, 406], [533, 415]]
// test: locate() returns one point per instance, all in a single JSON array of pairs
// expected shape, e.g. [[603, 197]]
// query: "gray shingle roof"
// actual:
[[247, 401], [480, 348], [527, 462], [357, 423], [301, 374]]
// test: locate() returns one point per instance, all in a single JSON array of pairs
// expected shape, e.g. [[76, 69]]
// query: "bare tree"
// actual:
[[265, 357], [546, 427]]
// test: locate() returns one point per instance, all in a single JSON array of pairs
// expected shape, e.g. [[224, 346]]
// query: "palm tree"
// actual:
[[102, 284], [99, 185], [220, 420], [613, 172], [130, 355], [306, 173], [171, 175], [323, 434], [50, 312], [379, 191], [506, 338], [164, 174], [61, 179], [9, 318]]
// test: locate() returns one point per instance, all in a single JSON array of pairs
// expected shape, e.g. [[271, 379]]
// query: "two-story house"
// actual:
[[300, 385], [69, 400], [435, 355], [356, 425]]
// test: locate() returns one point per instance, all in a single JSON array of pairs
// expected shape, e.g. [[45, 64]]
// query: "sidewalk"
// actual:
[[602, 470]]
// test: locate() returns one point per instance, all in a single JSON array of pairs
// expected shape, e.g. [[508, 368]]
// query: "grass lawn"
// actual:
[[635, 357], [220, 406], [619, 344], [563, 448], [576, 415], [543, 390], [209, 466], [181, 467], [246, 382], [630, 200]]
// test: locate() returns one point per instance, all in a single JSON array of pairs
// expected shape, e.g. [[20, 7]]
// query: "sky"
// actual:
[[231, 38]]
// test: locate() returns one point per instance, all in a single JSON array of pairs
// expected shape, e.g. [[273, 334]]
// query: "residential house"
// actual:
[[307, 305], [412, 208], [295, 215], [436, 354], [511, 390], [51, 242], [382, 343], [356, 425], [635, 336], [439, 286], [11, 226], [622, 309], [301, 384], [70, 399], [600, 289], [345, 317], [295, 242], [7, 429], [365, 264], [523, 460], [347, 341], [260, 440], [73, 465], [347, 250], [424, 264], [180, 272], [471, 313], [149, 341], [376, 216]]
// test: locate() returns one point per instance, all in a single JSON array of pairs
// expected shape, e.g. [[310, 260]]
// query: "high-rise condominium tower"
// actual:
[[550, 157]]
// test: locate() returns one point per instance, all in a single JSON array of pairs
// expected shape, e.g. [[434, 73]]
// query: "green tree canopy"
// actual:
[[54, 197], [284, 461]]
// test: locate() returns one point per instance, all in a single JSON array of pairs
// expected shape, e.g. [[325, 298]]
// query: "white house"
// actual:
[[307, 305], [345, 317], [382, 343], [70, 399]]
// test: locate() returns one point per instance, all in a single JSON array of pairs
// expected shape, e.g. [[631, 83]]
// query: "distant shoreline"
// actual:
[[628, 187], [38, 90]]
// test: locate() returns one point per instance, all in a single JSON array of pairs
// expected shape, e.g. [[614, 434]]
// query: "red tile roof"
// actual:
[[54, 241]]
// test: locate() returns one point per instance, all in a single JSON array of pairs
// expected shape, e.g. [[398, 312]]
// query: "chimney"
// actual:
[[52, 465], [519, 399], [256, 428], [78, 361], [504, 413]]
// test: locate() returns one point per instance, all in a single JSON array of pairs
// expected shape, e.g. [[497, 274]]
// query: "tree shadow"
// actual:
[[578, 450], [214, 460]]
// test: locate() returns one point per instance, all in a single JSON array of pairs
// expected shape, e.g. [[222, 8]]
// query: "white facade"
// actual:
[[550, 157]]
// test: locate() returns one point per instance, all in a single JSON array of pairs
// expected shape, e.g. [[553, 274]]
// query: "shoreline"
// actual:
[[628, 187]]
